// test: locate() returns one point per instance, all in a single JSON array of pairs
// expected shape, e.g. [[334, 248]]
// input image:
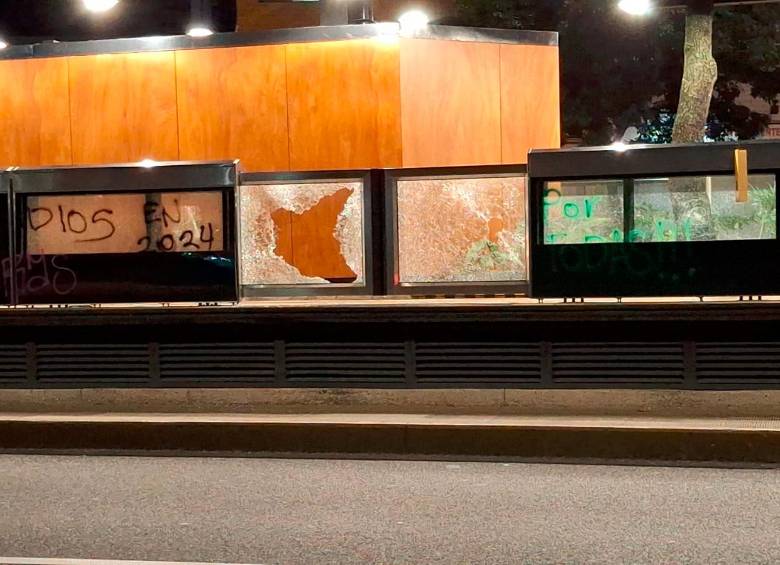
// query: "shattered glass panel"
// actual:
[[461, 230], [583, 211], [124, 223], [306, 233]]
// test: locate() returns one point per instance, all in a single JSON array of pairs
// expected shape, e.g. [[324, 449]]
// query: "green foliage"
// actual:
[[485, 255], [488, 256], [658, 129], [620, 71]]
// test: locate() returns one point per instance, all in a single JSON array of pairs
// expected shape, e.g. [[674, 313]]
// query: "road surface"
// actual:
[[334, 511]]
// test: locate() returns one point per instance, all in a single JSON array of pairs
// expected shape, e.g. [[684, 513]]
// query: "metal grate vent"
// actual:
[[235, 362], [349, 362], [616, 363], [93, 362], [738, 363], [473, 362], [13, 362]]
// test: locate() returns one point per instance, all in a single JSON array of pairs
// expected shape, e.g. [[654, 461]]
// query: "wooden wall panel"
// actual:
[[344, 104], [530, 100], [451, 98], [34, 113], [123, 107], [232, 104]]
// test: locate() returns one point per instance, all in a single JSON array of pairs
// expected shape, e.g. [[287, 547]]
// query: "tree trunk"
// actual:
[[690, 202]]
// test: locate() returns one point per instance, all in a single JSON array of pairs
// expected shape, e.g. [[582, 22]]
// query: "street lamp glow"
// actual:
[[3, 44], [636, 7], [619, 146], [199, 31], [412, 21], [100, 5]]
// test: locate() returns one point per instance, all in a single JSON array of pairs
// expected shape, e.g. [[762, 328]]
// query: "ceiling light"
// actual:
[[201, 22], [199, 31], [100, 5], [412, 21], [636, 7]]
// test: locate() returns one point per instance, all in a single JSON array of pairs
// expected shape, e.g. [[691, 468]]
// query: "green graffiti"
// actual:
[[571, 210], [589, 208], [595, 239], [586, 225]]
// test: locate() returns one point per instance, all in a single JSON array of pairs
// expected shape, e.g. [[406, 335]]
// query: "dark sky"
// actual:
[[25, 21]]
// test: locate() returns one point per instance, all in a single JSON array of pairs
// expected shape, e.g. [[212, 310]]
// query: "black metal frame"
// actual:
[[372, 235], [692, 266], [131, 178], [392, 176], [6, 242]]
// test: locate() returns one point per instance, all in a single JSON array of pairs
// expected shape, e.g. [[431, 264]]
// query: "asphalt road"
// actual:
[[330, 511]]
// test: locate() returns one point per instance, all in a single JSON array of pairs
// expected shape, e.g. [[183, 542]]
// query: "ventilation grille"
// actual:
[[374, 362], [474, 364], [478, 362], [96, 362], [615, 363], [738, 363], [235, 362], [13, 363]]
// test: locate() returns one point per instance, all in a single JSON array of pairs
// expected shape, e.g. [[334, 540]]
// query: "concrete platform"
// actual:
[[704, 440], [513, 402]]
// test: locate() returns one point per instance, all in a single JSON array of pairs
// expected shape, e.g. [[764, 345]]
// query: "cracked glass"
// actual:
[[302, 233], [461, 230]]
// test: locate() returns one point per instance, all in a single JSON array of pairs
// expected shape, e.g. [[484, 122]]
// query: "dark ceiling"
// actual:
[[677, 3], [27, 21]]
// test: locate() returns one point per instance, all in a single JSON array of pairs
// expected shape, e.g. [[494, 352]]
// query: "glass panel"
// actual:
[[124, 223], [308, 233], [588, 211], [461, 230], [703, 209]]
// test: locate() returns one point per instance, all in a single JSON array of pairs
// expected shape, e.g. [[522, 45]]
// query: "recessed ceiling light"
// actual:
[[636, 7], [100, 5], [199, 31], [412, 21]]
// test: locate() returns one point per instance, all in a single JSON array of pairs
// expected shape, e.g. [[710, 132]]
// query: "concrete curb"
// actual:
[[751, 443]]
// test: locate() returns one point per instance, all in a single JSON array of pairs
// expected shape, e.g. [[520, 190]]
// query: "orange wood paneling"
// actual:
[[306, 240], [282, 220], [344, 104], [316, 250], [34, 113], [232, 104], [323, 105], [530, 100], [123, 107], [451, 100]]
